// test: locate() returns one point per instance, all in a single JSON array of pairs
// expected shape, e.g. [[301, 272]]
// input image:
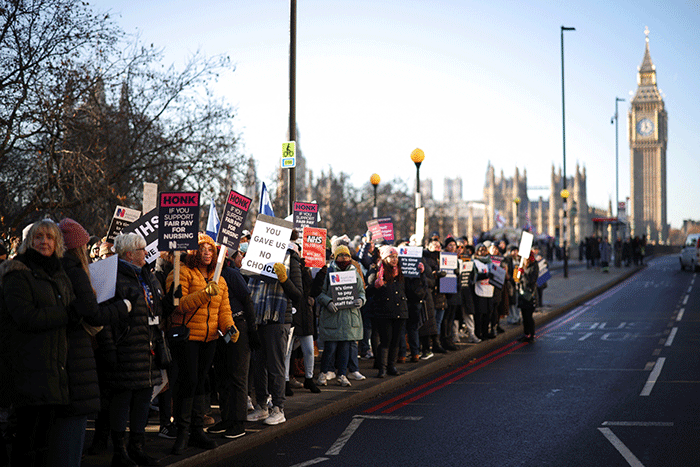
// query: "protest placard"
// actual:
[[103, 277], [235, 213], [499, 275], [544, 275], [465, 272], [409, 258], [525, 244], [448, 261], [387, 227], [314, 246], [122, 217], [305, 215], [448, 284], [150, 197], [375, 230], [178, 214], [343, 288], [268, 245], [147, 227]]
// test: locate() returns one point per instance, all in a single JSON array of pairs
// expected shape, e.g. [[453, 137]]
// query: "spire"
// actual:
[[647, 66], [646, 77]]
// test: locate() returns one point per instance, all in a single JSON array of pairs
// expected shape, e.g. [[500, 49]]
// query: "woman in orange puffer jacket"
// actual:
[[204, 308]]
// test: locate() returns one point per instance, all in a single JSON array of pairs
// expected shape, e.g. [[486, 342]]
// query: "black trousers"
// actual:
[[389, 334], [231, 364], [528, 320]]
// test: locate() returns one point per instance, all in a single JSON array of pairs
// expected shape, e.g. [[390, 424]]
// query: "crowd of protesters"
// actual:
[[180, 343]]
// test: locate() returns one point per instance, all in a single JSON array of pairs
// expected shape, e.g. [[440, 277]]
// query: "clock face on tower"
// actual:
[[645, 127]]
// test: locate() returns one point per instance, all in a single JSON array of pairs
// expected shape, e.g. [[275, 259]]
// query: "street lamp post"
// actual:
[[374, 180], [618, 261], [417, 156], [563, 129], [516, 200]]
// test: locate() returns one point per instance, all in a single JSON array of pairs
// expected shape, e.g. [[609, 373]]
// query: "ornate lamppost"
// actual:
[[374, 180], [417, 156]]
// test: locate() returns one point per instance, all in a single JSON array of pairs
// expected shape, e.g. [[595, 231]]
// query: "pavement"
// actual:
[[304, 409]]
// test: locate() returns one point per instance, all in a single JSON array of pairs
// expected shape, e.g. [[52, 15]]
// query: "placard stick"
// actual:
[[176, 275], [219, 264]]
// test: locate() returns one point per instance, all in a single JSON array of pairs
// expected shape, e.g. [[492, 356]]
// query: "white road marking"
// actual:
[[653, 376], [669, 341], [586, 336], [637, 423], [621, 448], [318, 460], [690, 288], [685, 300], [680, 314], [340, 442]]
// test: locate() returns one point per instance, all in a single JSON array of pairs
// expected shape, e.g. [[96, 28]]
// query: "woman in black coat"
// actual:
[[68, 431], [528, 296], [390, 308], [128, 347], [36, 297]]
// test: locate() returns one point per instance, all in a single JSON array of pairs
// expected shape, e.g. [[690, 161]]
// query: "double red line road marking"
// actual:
[[446, 379]]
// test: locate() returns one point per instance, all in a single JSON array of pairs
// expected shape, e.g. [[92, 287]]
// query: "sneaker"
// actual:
[[219, 427], [168, 431], [473, 340], [415, 358], [343, 381], [369, 355], [208, 420], [322, 381], [235, 431], [276, 417], [357, 376], [330, 375], [295, 384], [427, 355], [258, 414], [250, 404]]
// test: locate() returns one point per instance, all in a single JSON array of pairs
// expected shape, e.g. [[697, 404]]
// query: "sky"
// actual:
[[468, 82]]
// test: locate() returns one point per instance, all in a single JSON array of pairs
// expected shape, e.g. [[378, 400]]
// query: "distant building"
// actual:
[[648, 135]]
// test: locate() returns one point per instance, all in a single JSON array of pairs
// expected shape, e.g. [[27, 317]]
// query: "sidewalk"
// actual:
[[305, 409]]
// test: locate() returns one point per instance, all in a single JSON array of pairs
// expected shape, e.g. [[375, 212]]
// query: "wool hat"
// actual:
[[204, 238], [387, 250], [340, 250], [449, 240], [74, 235]]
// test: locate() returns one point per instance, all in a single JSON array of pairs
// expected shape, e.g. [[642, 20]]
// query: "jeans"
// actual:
[[66, 441], [341, 351], [307, 349], [439, 313], [130, 406], [268, 363]]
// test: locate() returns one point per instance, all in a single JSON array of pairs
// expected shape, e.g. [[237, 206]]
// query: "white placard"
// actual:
[[525, 244], [150, 197], [103, 276], [268, 245]]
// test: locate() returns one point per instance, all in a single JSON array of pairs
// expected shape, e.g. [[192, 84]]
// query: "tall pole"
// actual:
[[292, 96], [563, 129], [618, 261], [374, 180]]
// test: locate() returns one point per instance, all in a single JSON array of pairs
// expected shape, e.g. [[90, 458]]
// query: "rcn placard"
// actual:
[[409, 258], [178, 213], [313, 247], [122, 217], [147, 227], [343, 288], [305, 215], [235, 212], [268, 245]]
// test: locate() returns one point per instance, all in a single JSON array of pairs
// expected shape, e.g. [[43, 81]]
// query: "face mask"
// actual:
[[343, 264]]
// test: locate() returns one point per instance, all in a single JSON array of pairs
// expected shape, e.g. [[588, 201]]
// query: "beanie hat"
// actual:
[[340, 250], [204, 238], [449, 240], [387, 250], [74, 235]]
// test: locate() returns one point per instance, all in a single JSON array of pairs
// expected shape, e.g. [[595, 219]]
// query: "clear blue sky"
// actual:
[[466, 81]]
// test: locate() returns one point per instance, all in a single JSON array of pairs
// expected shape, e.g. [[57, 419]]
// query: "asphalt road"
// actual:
[[614, 382]]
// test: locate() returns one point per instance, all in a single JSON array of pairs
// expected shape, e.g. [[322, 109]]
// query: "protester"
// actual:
[[449, 335], [339, 326], [513, 260], [205, 310], [390, 308], [68, 431], [483, 292], [432, 260], [605, 254], [127, 347], [36, 294], [528, 296], [273, 302]]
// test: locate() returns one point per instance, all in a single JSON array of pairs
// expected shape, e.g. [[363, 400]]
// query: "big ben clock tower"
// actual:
[[648, 136]]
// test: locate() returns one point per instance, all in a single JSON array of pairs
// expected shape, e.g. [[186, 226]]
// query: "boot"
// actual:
[[121, 456], [199, 439], [137, 441], [182, 410], [311, 386], [391, 370], [101, 436], [183, 436], [437, 348], [197, 436], [383, 358]]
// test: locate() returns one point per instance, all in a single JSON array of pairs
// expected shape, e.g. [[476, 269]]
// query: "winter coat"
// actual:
[[36, 293], [128, 346], [432, 259], [528, 282], [389, 300], [346, 323], [304, 320], [239, 297], [203, 314], [82, 369], [429, 328]]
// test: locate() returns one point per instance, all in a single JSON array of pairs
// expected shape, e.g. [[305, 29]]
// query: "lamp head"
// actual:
[[374, 179], [417, 156]]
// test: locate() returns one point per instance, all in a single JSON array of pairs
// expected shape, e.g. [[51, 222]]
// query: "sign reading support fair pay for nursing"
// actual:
[[178, 214], [232, 221], [268, 245], [343, 288]]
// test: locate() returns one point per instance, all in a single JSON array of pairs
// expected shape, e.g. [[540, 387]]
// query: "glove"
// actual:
[[332, 307], [281, 272], [379, 282], [212, 289], [178, 292], [358, 303], [254, 340], [233, 332], [441, 274]]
